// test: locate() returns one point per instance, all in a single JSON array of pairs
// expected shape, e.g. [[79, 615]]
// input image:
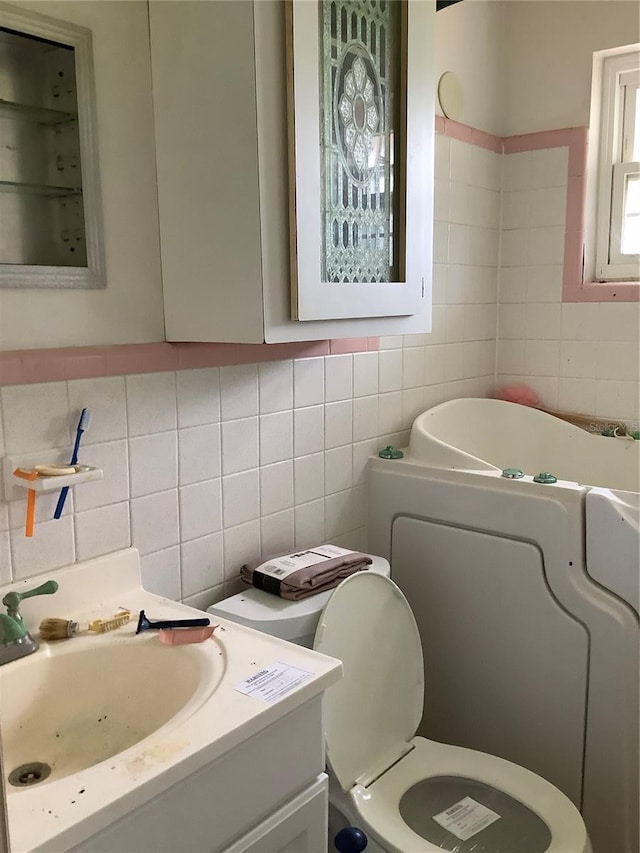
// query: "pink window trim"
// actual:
[[575, 139], [26, 367]]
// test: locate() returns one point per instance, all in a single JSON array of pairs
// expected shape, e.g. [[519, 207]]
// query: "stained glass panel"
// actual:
[[360, 115]]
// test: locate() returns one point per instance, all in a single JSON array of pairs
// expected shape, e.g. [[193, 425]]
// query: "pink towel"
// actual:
[[304, 573]]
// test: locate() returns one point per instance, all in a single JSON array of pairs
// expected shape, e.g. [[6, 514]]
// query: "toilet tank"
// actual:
[[295, 621]]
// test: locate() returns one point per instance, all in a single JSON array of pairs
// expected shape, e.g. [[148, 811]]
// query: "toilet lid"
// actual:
[[377, 705]]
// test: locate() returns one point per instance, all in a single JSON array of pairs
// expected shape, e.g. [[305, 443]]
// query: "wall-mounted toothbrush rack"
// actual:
[[14, 485], [54, 482]]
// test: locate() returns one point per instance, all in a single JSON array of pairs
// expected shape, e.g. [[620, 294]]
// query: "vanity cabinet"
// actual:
[[222, 145], [215, 746]]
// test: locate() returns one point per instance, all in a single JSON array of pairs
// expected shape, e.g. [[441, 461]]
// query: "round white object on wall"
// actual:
[[450, 95]]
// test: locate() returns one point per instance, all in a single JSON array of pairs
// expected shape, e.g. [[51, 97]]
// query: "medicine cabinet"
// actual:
[[222, 128], [50, 233]]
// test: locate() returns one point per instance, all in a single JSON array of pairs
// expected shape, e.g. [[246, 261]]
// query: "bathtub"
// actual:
[[525, 594]]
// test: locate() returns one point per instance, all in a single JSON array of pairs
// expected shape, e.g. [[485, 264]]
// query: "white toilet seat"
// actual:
[[371, 718], [378, 804]]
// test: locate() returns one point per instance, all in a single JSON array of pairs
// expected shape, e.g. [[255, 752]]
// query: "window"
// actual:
[[617, 219]]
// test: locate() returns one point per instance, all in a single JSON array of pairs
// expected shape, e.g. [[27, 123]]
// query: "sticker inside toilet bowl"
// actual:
[[466, 818]]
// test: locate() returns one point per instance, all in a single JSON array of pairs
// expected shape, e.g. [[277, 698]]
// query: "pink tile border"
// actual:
[[595, 291], [346, 345], [26, 367], [538, 140], [466, 133], [575, 139], [23, 367]]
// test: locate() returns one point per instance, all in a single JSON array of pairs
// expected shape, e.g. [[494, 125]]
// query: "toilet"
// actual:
[[406, 793], [295, 621]]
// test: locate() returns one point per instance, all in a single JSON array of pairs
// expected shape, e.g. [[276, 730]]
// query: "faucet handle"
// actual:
[[12, 599]]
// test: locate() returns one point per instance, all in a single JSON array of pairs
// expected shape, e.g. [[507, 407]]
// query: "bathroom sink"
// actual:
[[122, 722], [89, 698]]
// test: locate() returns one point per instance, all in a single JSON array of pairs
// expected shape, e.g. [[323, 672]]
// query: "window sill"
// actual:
[[597, 291]]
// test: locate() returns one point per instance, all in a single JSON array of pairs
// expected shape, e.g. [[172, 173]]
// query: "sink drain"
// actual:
[[29, 774]]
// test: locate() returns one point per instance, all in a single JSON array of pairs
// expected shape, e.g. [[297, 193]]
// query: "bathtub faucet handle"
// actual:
[[390, 452], [545, 477]]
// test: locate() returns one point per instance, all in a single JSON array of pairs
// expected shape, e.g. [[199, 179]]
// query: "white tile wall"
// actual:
[[276, 437], [198, 397], [238, 392], [275, 386], [151, 403], [581, 357], [338, 378], [198, 454], [207, 468], [198, 497], [308, 382], [286, 466], [276, 532]]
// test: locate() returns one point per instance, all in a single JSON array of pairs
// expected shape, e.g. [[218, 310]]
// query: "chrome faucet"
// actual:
[[15, 641]]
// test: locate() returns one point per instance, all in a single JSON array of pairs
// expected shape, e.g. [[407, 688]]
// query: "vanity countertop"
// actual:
[[61, 812]]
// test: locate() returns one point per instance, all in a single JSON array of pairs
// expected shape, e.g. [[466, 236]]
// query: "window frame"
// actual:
[[616, 71]]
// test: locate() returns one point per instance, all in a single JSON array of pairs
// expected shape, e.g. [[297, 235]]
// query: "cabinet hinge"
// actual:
[[423, 286]]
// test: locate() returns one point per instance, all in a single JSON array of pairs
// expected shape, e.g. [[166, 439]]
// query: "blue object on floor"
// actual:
[[350, 840]]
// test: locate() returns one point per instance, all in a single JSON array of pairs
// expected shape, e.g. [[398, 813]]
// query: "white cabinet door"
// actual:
[[361, 160], [300, 826], [207, 162]]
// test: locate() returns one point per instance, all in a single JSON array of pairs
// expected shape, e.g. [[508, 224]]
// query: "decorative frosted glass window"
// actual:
[[360, 109], [361, 106]]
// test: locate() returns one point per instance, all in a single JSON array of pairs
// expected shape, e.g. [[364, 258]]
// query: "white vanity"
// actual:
[[153, 747]]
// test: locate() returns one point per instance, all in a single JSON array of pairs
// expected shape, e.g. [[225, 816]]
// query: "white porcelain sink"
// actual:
[[123, 719], [91, 698]]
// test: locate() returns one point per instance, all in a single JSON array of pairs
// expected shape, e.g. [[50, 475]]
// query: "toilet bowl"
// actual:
[[408, 794]]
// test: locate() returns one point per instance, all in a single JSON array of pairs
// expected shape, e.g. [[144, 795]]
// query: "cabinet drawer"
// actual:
[[300, 826]]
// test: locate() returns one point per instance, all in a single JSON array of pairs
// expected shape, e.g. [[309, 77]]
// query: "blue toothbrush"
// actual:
[[83, 425]]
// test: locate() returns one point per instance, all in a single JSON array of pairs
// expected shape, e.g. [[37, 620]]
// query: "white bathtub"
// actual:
[[479, 434], [526, 595]]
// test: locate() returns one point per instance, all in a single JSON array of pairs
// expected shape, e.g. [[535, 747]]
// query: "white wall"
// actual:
[[129, 309], [525, 65], [265, 457], [468, 42], [206, 468], [581, 356], [547, 57]]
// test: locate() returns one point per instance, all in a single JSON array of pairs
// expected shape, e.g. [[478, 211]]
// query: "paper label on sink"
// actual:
[[466, 818], [283, 566], [273, 681]]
